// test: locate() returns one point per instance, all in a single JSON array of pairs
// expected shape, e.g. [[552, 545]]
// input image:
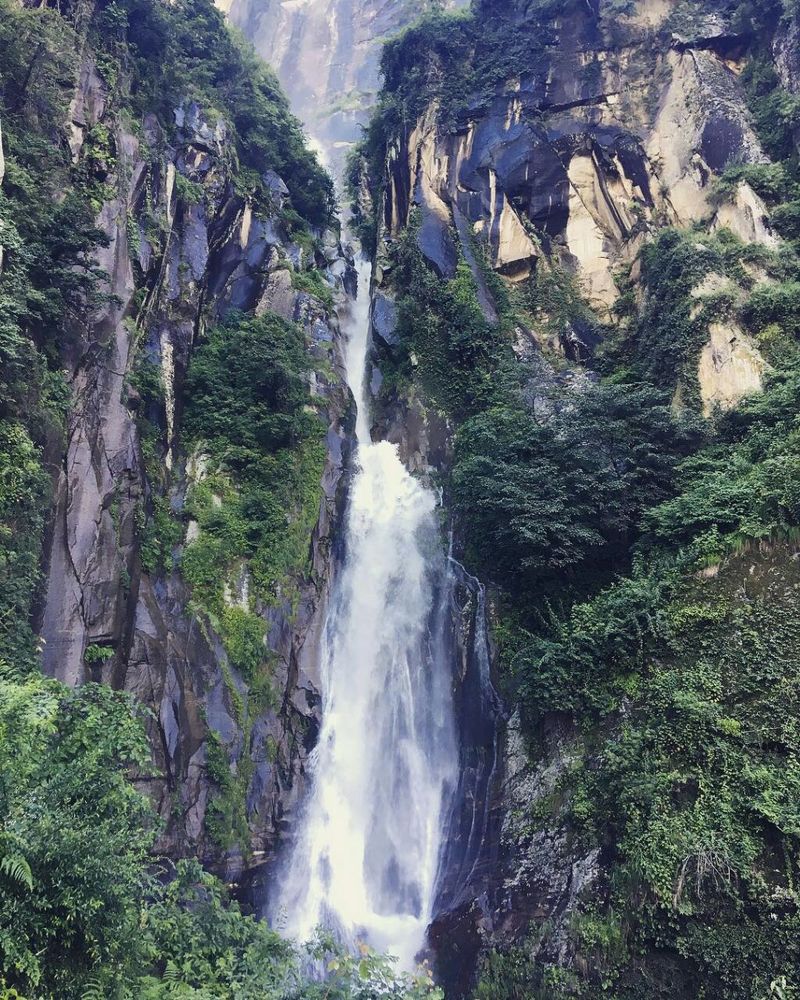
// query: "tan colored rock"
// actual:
[[673, 143], [429, 164], [247, 221], [747, 217], [713, 284], [586, 240], [515, 251], [651, 13], [731, 367], [169, 189], [702, 87], [279, 295], [514, 113]]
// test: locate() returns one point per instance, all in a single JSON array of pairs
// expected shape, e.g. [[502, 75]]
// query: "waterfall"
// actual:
[[367, 853]]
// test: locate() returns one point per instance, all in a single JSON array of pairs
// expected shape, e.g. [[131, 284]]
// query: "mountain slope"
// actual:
[[585, 269]]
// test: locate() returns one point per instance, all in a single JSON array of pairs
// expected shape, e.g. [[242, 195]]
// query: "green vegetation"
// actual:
[[775, 111], [84, 914], [98, 654], [461, 59], [546, 502], [691, 793], [463, 361], [155, 58], [744, 487], [73, 834], [24, 491], [643, 561], [227, 816], [247, 392], [254, 500], [314, 284], [457, 62], [694, 279]]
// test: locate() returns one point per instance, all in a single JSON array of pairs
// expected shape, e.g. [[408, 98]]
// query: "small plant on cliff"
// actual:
[[98, 654]]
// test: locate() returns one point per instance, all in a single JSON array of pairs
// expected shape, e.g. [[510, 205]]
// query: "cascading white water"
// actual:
[[366, 858]]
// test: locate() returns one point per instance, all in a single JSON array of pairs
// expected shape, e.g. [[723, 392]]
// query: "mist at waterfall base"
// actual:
[[369, 840]]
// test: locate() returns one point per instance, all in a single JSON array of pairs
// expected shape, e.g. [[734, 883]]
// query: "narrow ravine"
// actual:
[[367, 853], [391, 828]]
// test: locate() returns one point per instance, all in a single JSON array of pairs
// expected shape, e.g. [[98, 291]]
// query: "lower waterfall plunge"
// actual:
[[385, 768]]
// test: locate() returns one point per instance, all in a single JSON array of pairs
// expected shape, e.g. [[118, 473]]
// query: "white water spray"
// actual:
[[366, 859]]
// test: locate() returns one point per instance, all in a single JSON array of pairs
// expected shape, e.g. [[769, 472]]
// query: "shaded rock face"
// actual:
[[470, 856], [178, 262], [531, 875], [617, 126]]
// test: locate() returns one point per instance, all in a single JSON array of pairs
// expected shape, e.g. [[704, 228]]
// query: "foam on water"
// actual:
[[366, 857]]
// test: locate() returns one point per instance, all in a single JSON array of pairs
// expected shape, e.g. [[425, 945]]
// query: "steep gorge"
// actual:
[[583, 314]]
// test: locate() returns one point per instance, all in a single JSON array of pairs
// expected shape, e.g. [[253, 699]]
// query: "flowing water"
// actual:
[[385, 767]]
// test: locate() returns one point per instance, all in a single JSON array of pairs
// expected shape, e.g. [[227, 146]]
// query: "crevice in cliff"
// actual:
[[726, 47], [67, 548], [584, 102]]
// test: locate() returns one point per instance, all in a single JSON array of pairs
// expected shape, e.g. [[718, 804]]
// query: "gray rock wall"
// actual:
[[184, 249]]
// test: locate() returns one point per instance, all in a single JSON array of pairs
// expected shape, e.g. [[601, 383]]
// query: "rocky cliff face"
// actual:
[[326, 54], [622, 123], [185, 248]]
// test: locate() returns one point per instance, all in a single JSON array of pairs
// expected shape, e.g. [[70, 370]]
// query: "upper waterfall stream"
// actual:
[[367, 852]]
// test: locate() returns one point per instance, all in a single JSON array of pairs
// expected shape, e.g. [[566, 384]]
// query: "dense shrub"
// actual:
[[24, 491], [247, 392], [744, 487], [464, 362], [547, 501], [73, 834]]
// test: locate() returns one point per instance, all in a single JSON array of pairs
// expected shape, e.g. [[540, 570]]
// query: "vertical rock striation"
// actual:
[[185, 249]]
